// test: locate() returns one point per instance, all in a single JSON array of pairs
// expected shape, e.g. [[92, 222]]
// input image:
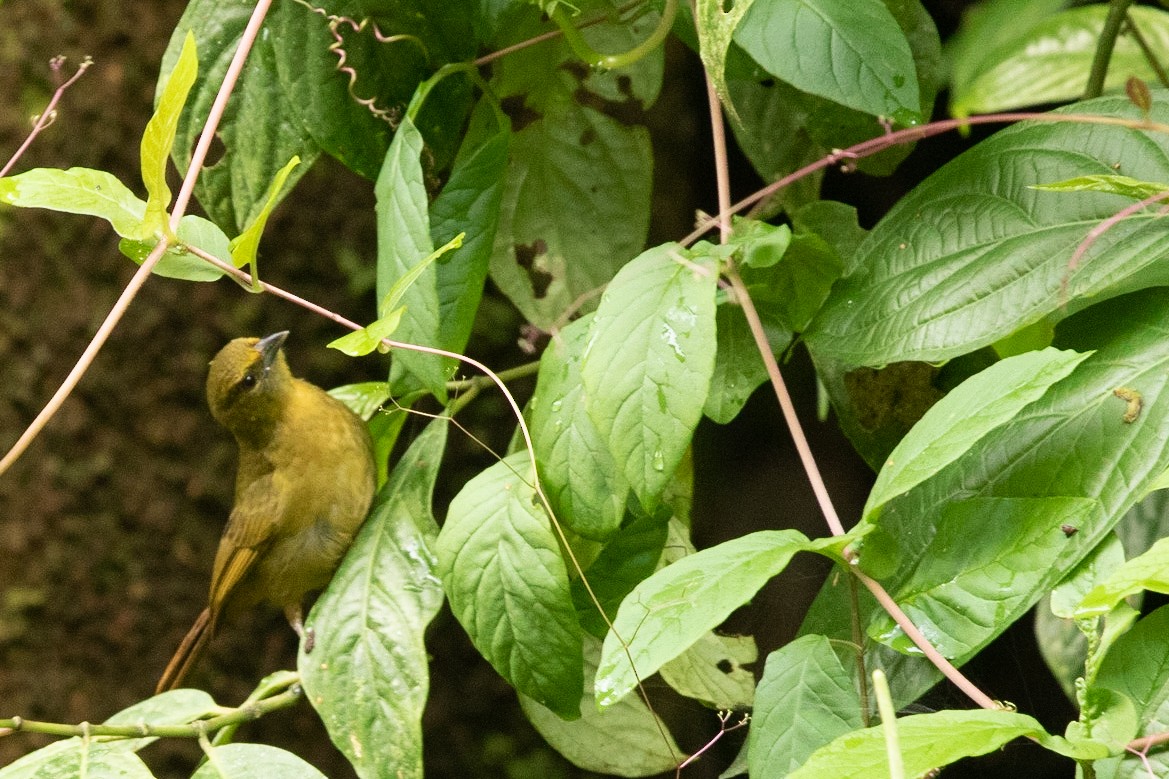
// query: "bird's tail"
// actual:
[[187, 653]]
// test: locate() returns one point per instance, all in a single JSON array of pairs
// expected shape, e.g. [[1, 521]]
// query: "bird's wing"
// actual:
[[250, 527]]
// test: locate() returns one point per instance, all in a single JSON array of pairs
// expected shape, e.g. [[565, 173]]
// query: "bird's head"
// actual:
[[248, 384]]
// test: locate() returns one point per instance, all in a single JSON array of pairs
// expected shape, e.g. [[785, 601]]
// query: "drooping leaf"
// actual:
[[805, 699], [177, 262], [647, 366], [77, 191], [738, 368], [658, 620], [502, 569], [583, 481], [625, 740], [368, 674]]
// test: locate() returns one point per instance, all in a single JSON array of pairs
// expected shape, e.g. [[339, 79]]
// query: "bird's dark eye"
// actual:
[[249, 380]]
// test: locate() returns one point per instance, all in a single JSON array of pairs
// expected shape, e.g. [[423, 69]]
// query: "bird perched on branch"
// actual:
[[303, 488]]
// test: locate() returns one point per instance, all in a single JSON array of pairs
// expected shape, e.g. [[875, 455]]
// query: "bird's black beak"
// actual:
[[269, 347]]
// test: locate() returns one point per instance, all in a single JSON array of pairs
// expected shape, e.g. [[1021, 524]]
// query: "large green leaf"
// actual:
[[956, 423], [583, 481], [259, 131], [468, 203], [502, 569], [658, 620], [403, 241], [625, 740], [647, 366], [368, 674], [850, 51], [931, 741], [1137, 666], [570, 216], [1018, 485], [805, 699], [1038, 58], [254, 761], [576, 204], [992, 253]]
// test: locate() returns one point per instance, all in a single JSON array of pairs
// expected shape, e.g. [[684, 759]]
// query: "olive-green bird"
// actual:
[[303, 488]]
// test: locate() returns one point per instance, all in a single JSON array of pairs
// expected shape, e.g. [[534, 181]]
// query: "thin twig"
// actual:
[[47, 116]]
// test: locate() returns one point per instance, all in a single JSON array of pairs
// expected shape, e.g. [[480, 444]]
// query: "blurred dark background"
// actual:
[[109, 523]]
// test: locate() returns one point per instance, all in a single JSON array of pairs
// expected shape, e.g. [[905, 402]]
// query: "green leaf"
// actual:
[[931, 741], [805, 699], [369, 338], [259, 131], [254, 761], [177, 262], [246, 245], [501, 566], [955, 424], [647, 366], [859, 56], [1136, 668], [659, 619], [368, 675], [1149, 571], [993, 252], [580, 476], [628, 557], [989, 29], [159, 137], [716, 26], [98, 761], [468, 204], [965, 584], [77, 191], [1072, 444], [1115, 185], [1045, 57], [627, 739], [363, 399], [563, 184], [174, 707], [738, 368], [403, 240], [712, 671]]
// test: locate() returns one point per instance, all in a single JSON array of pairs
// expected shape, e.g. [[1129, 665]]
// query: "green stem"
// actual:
[[232, 717], [1117, 11], [424, 89], [595, 59], [510, 374], [1146, 50]]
